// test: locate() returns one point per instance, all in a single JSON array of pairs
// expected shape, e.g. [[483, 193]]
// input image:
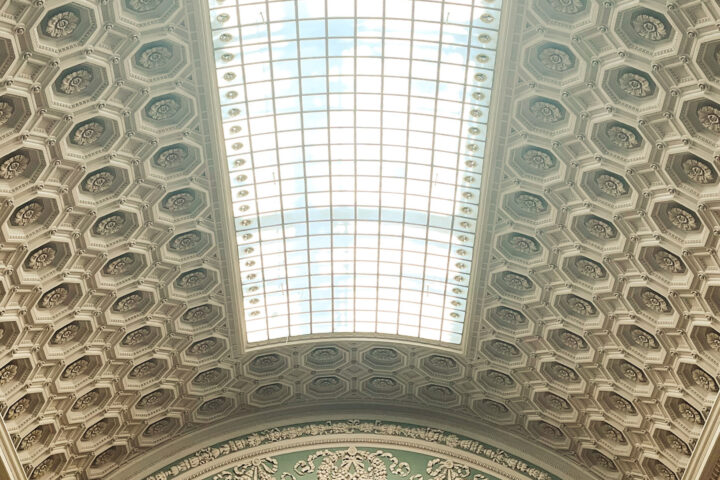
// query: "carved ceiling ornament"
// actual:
[[498, 379], [623, 137], [621, 404], [547, 111], [572, 341], [208, 377], [554, 402], [6, 111], [76, 81], [155, 57], [600, 460], [161, 427], [643, 339], [141, 6], [654, 301], [30, 440], [354, 463], [495, 408], [600, 228], [14, 166], [683, 219], [75, 369], [698, 171], [538, 159], [172, 157], [163, 108], [503, 349], [509, 317], [589, 268], [611, 184], [179, 201], [87, 400], [635, 84], [192, 279], [264, 363], [709, 116], [119, 265], [18, 408], [570, 7], [153, 399], [523, 244], [689, 413], [139, 336], [580, 306], [203, 347], [47, 467], [530, 203], [668, 261], [662, 471], [562, 373], [55, 297], [66, 334], [632, 373], [145, 369], [110, 224], [129, 303], [441, 362], [41, 258], [611, 434], [198, 314], [184, 242], [8, 373], [650, 27], [96, 430], [28, 214], [516, 281], [62, 24], [87, 133], [556, 58], [100, 181], [703, 380], [217, 405]]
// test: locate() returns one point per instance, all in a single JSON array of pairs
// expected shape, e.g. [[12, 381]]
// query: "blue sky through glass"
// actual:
[[355, 133]]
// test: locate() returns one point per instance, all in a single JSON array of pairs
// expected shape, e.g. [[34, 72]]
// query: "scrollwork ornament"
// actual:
[[28, 214], [674, 442], [643, 339], [6, 111], [158, 428], [145, 369], [499, 379], [216, 405], [517, 282], [99, 182], [650, 27], [683, 219], [580, 306], [185, 241], [137, 337], [44, 468], [555, 59], [698, 171], [171, 157], [523, 244], [562, 374], [537, 160], [152, 399], [119, 265], [192, 279], [76, 81], [18, 409], [556, 403], [208, 377], [75, 369], [155, 57], [570, 7], [141, 6], [203, 346], [530, 203], [441, 362], [62, 24], [97, 430], [654, 302], [709, 117], [632, 373], [163, 109], [635, 85], [13, 166], [503, 349], [129, 302], [509, 317], [589, 269], [86, 401], [689, 413], [611, 185], [41, 258], [620, 404], [546, 112], [572, 341], [30, 439], [713, 339], [66, 334], [622, 137], [88, 133], [198, 314]]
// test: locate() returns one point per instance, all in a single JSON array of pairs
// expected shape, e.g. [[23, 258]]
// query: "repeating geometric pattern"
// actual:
[[597, 333]]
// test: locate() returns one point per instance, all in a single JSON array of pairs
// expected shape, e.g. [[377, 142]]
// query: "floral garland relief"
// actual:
[[350, 464], [210, 454]]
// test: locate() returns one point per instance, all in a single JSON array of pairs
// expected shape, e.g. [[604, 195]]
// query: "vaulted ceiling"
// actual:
[[593, 330]]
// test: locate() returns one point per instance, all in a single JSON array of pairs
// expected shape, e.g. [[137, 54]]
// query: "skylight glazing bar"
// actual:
[[355, 133]]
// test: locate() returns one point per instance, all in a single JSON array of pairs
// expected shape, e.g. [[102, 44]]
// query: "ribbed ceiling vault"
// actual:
[[594, 332]]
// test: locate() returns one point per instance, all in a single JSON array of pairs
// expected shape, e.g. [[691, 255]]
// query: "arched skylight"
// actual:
[[355, 133]]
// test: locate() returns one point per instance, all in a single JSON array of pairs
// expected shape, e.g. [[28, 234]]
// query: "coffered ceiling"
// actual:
[[594, 329]]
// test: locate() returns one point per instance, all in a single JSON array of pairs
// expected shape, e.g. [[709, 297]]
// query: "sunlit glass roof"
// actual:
[[355, 133]]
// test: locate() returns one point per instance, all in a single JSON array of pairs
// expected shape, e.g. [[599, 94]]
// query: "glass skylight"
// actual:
[[355, 133]]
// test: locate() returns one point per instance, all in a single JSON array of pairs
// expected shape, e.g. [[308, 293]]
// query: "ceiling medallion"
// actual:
[[674, 442], [635, 84], [517, 282], [498, 379], [87, 133], [54, 298], [192, 279], [632, 373], [97, 430], [580, 306], [203, 346], [683, 219], [8, 373], [13, 166], [154, 57], [27, 214], [530, 203], [713, 339], [172, 157], [119, 265], [612, 185], [383, 384], [620, 404], [143, 5], [503, 349], [145, 369], [557, 59], [600, 228], [650, 27], [441, 362], [62, 24], [76, 81], [6, 111], [66, 334], [152, 399], [110, 224], [555, 403], [163, 108], [208, 377], [523, 244], [179, 201], [589, 268], [654, 301], [136, 337], [689, 413], [537, 159], [572, 341], [562, 374], [18, 408], [185, 241], [87, 400], [509, 317], [494, 407], [75, 369], [46, 467], [198, 314], [668, 261], [622, 137], [611, 434], [99, 182], [547, 112], [106, 457], [698, 171], [129, 302], [643, 339], [703, 380], [30, 439], [158, 428], [568, 6], [549, 431], [664, 472], [217, 405], [600, 460], [709, 117], [41, 258]]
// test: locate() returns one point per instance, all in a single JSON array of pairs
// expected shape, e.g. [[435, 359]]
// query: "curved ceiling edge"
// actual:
[[209, 450]]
